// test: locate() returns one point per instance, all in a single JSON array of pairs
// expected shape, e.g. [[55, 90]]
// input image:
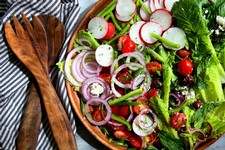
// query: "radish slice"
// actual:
[[134, 32], [126, 18], [158, 4], [125, 7], [168, 4], [162, 17], [104, 55], [147, 29], [175, 35], [152, 5], [143, 14], [98, 27]]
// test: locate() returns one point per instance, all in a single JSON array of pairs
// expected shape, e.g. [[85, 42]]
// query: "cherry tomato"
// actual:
[[128, 46], [97, 115], [111, 31], [153, 67], [137, 108], [150, 138], [124, 111], [122, 134], [184, 53], [115, 110], [106, 77], [185, 67], [135, 141], [153, 92], [125, 78], [121, 40], [178, 120]]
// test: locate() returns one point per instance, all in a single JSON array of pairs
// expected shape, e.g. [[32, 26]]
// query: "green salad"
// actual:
[[151, 73]]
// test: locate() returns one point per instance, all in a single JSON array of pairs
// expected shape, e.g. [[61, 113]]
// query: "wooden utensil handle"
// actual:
[[30, 126], [58, 119]]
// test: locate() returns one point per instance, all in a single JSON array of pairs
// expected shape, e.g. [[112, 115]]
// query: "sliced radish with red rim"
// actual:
[[126, 18], [163, 17], [98, 27], [143, 14], [125, 7], [175, 35], [158, 4], [134, 32], [147, 29], [168, 4], [152, 5]]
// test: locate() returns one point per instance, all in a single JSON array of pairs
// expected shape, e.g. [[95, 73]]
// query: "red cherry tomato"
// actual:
[[185, 67], [153, 92], [124, 111], [121, 40], [106, 77], [97, 115], [122, 134], [137, 108], [115, 110], [125, 77], [178, 120], [150, 138], [128, 46], [184, 53], [111, 31], [135, 141], [153, 67]]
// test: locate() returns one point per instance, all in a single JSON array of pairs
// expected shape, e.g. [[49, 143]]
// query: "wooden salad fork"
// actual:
[[24, 44]]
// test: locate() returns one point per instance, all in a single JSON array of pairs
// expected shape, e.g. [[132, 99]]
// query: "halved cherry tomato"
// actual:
[[115, 110], [137, 108], [135, 141], [121, 40], [122, 134], [185, 67], [178, 120], [150, 138], [128, 46], [106, 77], [124, 111], [97, 115], [153, 67], [125, 78], [153, 92], [111, 31], [184, 53]]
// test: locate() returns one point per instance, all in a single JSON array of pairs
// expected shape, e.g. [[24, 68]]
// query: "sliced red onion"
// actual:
[[85, 42], [67, 65], [130, 117], [148, 112], [121, 68], [116, 124], [136, 55], [76, 68], [107, 107], [137, 81], [117, 94], [178, 97], [89, 56], [85, 88]]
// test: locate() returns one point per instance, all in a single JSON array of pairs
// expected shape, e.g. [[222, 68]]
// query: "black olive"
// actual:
[[156, 83], [197, 104]]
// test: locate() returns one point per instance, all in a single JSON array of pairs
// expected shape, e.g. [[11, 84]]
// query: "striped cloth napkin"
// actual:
[[15, 78]]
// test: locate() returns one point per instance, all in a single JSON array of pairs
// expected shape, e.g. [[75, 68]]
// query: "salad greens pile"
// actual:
[[203, 22]]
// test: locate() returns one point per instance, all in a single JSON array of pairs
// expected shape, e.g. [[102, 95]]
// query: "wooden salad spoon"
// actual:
[[31, 119], [24, 44]]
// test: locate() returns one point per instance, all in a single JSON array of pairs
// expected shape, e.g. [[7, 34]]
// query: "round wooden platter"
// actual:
[[74, 99]]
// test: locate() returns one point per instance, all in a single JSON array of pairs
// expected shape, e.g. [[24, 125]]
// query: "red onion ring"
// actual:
[[86, 92], [137, 81], [108, 110], [153, 118], [90, 55], [67, 68]]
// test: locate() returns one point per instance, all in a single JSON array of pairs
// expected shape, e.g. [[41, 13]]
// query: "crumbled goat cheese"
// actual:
[[220, 21], [191, 94], [96, 89]]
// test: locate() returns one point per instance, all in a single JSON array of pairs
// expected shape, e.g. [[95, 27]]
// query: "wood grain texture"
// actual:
[[23, 47], [31, 119], [74, 97]]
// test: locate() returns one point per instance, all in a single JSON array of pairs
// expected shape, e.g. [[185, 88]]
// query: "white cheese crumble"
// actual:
[[220, 21], [96, 89]]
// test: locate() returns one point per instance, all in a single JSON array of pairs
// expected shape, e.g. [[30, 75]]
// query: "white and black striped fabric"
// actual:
[[15, 78]]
